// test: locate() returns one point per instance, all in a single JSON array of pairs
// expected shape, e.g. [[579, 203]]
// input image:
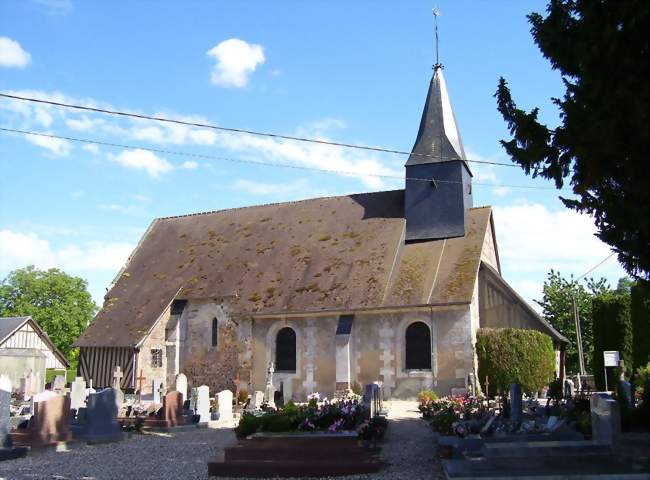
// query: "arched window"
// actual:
[[215, 332], [285, 350], [418, 347]]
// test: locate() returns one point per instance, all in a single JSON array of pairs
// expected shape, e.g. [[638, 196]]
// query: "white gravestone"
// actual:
[[181, 385], [59, 384], [224, 399], [256, 400], [605, 419], [156, 386], [78, 393], [203, 403]]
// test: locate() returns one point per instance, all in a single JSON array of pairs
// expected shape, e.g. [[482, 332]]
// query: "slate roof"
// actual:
[[9, 325], [438, 137], [334, 254]]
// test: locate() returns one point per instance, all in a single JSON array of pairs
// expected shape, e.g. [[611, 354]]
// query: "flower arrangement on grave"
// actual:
[[325, 415]]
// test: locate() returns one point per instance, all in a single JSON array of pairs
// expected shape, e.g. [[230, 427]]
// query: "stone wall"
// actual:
[[376, 353], [155, 340]]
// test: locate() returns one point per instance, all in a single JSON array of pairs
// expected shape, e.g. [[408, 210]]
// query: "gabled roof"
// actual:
[[438, 138], [10, 325], [335, 254]]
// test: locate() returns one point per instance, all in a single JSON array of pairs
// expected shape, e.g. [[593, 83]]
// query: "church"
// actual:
[[335, 292]]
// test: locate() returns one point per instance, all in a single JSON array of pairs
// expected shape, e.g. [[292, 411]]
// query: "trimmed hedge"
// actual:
[[612, 331], [512, 355], [640, 312]]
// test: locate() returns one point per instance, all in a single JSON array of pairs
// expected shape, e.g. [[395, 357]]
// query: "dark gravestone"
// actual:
[[7, 450], [48, 426], [515, 402], [98, 421], [171, 413]]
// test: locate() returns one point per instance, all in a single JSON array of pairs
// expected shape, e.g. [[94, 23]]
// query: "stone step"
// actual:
[[326, 467], [315, 452], [541, 449], [566, 467]]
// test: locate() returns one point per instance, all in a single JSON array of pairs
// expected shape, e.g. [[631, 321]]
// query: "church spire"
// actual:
[[438, 138]]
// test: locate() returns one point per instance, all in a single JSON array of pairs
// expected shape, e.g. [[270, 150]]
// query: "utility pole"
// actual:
[[576, 318]]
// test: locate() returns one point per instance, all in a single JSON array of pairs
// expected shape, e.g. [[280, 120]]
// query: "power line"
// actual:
[[244, 131], [595, 266], [257, 162]]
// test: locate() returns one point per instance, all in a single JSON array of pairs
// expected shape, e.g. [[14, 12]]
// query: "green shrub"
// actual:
[[248, 424], [276, 422], [640, 316], [511, 355], [426, 396], [612, 331]]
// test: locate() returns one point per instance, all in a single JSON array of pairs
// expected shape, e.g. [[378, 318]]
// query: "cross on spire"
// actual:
[[436, 14]]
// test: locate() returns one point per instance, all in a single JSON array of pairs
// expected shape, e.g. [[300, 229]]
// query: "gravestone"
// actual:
[[7, 450], [32, 384], [257, 399], [569, 388], [224, 399], [117, 386], [59, 384], [515, 402], [181, 385], [157, 389], [173, 408], [98, 421], [605, 419], [78, 393], [49, 424], [372, 399], [269, 391], [203, 404], [194, 393]]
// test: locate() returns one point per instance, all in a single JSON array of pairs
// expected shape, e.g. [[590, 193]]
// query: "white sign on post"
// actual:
[[612, 358]]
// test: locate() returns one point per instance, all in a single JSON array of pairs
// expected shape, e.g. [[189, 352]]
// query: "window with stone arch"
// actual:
[[418, 346], [285, 350]]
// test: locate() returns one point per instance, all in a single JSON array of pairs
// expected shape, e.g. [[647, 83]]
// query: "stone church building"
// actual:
[[337, 292]]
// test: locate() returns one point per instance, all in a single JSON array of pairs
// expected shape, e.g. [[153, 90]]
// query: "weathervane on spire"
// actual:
[[436, 14]]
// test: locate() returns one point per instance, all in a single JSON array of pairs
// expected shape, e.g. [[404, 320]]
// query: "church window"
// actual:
[[285, 350], [215, 332], [418, 347], [156, 358]]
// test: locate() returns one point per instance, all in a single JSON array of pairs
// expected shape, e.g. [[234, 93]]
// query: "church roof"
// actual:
[[438, 138], [338, 254]]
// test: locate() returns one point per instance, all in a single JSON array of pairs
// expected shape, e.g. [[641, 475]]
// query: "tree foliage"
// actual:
[[612, 331], [640, 312], [601, 50], [557, 308], [512, 355], [60, 303]]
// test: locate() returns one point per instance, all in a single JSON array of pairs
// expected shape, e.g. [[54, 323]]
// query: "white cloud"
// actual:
[[143, 160], [190, 165], [57, 146], [83, 123], [12, 54], [534, 238], [501, 191], [236, 60], [18, 250], [78, 193]]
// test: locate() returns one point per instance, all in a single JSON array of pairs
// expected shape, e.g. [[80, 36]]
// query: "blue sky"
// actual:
[[354, 72]]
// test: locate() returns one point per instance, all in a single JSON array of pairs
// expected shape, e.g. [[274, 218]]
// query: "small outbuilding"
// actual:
[[25, 347]]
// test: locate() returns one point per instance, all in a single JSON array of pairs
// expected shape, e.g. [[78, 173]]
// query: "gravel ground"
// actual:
[[408, 449]]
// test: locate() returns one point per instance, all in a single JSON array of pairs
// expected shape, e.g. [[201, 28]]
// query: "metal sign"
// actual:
[[612, 358]]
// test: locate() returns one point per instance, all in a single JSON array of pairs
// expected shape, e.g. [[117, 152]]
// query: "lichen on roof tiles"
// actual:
[[333, 253]]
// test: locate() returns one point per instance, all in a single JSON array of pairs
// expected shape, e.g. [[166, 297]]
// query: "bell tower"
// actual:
[[438, 190]]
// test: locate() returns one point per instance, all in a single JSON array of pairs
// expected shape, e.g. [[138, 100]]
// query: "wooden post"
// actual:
[[140, 379]]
